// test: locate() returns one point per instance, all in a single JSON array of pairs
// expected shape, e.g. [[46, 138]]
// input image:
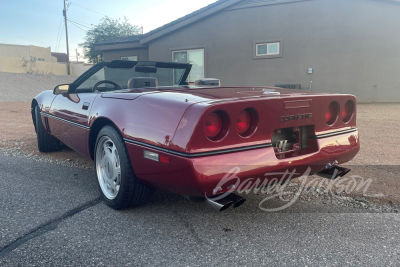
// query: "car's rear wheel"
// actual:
[[46, 142], [117, 181]]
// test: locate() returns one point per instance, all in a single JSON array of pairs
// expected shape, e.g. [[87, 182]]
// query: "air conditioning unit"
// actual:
[[289, 86]]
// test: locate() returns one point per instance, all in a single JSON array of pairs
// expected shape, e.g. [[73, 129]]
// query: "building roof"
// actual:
[[136, 38], [122, 39], [61, 57], [185, 20], [201, 10]]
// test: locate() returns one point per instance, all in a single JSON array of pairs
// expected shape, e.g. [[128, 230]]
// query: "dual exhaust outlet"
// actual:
[[221, 204], [225, 202], [333, 172]]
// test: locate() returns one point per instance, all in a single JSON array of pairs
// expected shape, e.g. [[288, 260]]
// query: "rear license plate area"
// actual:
[[293, 141]]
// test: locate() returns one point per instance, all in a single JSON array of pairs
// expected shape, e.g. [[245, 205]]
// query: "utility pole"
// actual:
[[77, 54], [66, 35]]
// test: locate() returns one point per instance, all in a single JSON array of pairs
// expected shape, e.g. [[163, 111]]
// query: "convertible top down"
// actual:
[[146, 127]]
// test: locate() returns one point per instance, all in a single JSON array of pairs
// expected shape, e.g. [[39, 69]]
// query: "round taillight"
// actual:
[[213, 125], [345, 111], [348, 110], [243, 122], [329, 113]]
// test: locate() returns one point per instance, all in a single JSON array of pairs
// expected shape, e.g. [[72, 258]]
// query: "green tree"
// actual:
[[108, 28]]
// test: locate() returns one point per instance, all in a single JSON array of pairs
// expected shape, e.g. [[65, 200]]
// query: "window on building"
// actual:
[[129, 58], [194, 57], [268, 49], [40, 59]]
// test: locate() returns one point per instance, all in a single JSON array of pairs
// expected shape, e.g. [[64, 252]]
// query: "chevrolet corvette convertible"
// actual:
[[146, 127]]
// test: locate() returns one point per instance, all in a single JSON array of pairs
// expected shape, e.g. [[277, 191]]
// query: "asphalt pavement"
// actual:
[[52, 215]]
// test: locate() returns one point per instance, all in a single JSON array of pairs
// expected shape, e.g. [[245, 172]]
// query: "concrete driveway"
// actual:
[[52, 215]]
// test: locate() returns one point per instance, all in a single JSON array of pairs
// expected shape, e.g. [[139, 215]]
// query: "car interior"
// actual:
[[119, 75], [141, 82]]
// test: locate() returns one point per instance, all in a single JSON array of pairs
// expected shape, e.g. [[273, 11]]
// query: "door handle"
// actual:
[[86, 105]]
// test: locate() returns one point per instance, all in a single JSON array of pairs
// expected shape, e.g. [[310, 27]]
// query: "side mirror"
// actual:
[[61, 89]]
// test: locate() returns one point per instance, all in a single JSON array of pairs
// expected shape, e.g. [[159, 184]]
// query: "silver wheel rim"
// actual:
[[108, 167]]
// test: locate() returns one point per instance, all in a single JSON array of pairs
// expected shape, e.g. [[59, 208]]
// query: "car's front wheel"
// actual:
[[117, 181]]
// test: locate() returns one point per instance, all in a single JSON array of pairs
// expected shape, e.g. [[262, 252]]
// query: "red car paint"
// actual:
[[170, 121]]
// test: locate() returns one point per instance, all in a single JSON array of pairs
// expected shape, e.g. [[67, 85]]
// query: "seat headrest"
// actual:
[[141, 82]]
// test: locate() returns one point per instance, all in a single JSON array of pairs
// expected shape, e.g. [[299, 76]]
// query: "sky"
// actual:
[[40, 22]]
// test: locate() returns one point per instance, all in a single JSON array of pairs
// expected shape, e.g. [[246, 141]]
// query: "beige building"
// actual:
[[29, 59], [35, 59], [27, 51]]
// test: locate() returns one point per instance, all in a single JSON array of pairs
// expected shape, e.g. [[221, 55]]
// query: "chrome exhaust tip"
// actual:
[[333, 173], [343, 171], [237, 200], [220, 204]]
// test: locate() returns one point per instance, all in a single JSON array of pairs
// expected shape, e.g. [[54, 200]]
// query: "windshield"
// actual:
[[137, 76]]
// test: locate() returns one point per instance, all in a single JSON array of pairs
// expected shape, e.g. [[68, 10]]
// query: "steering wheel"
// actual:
[[116, 85]]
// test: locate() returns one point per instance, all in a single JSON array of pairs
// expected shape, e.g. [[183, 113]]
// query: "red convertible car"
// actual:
[[145, 127]]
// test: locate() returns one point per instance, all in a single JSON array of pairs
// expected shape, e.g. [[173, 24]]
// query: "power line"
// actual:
[[75, 20], [76, 26], [88, 8], [78, 23], [59, 41], [58, 33]]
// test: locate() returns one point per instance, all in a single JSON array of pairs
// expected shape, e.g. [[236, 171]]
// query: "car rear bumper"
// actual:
[[200, 176]]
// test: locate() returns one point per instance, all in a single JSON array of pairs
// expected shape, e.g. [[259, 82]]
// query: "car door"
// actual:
[[69, 120], [69, 113]]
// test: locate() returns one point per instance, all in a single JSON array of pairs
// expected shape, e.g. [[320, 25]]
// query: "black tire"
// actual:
[[46, 142], [132, 192]]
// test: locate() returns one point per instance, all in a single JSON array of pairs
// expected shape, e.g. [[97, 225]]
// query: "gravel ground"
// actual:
[[24, 87], [379, 134], [18, 138], [322, 195]]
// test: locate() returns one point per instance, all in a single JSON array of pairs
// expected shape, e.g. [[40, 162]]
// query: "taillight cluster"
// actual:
[[243, 122], [217, 124], [329, 113], [348, 111], [213, 125], [332, 112]]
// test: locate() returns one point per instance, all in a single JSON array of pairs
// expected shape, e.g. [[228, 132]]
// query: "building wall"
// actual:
[[13, 64], [26, 51], [142, 53], [11, 60], [352, 46], [41, 52], [18, 51]]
